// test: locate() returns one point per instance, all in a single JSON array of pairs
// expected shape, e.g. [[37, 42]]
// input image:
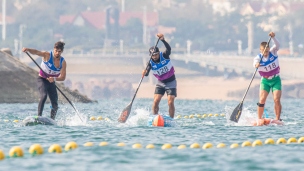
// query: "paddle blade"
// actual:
[[236, 114], [125, 114]]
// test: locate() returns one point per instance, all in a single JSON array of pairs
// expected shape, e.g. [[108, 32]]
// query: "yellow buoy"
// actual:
[[137, 145], [221, 145], [5, 120], [269, 141], [234, 145], [257, 143], [36, 149], [281, 141], [92, 118], [204, 115], [88, 144], [107, 119], [182, 146], [291, 140], [301, 140], [99, 118], [2, 155], [191, 116], [55, 148], [246, 144], [121, 144], [216, 115], [70, 146], [198, 115], [166, 146], [16, 121], [207, 145], [210, 115], [150, 146], [223, 115], [103, 143], [16, 151], [178, 117], [186, 117], [195, 145]]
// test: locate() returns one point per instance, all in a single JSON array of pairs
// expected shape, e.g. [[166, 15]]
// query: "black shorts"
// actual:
[[169, 88]]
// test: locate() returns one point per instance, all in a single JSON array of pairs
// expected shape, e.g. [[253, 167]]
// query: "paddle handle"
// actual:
[[255, 71]]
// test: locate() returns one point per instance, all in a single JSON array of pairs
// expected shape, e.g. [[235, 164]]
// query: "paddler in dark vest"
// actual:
[[163, 70]]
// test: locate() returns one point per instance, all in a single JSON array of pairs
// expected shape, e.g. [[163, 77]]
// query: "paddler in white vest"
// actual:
[[269, 70], [54, 69]]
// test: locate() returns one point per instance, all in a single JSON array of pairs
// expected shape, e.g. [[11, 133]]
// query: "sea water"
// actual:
[[199, 121]]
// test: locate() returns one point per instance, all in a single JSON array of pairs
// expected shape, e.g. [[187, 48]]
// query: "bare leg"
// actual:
[[263, 97], [171, 105], [155, 107], [277, 103]]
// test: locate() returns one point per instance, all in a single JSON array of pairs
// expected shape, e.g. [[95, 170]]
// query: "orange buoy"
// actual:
[[158, 121]]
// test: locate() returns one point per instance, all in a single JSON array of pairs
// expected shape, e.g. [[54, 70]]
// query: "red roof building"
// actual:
[[8, 19]]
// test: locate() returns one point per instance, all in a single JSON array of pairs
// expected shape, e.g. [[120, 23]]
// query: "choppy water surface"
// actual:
[[215, 129]]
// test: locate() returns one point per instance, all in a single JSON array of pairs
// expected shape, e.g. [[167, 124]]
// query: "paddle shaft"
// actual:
[[56, 87], [144, 75], [255, 71]]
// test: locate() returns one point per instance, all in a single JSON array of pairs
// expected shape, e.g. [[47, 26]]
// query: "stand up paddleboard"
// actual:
[[36, 120], [161, 121]]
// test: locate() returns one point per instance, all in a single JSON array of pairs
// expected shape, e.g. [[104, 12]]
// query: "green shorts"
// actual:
[[274, 84]]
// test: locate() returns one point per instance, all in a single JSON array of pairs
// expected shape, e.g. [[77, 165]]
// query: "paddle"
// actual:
[[56, 87], [126, 112], [236, 114]]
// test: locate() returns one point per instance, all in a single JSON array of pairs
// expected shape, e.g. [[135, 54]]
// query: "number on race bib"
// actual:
[[271, 66], [163, 70]]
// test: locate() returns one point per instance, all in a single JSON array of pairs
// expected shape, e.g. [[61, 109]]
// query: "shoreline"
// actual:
[[201, 88]]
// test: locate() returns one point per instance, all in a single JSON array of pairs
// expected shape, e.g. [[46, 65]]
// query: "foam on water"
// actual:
[[73, 120], [247, 118], [140, 118]]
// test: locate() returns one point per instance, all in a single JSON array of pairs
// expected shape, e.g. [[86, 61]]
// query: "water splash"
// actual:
[[247, 118], [139, 119], [73, 120]]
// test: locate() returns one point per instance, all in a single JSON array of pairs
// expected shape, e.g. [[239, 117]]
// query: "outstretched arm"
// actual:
[[167, 52], [168, 49], [62, 72], [146, 72], [274, 49], [36, 52], [256, 61]]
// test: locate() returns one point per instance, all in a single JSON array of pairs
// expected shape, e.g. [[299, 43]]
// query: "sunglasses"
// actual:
[[155, 53]]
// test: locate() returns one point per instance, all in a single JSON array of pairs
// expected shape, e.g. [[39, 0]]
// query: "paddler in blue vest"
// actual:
[[54, 69], [163, 70]]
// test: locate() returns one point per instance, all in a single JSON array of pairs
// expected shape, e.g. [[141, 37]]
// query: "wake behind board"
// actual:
[[161, 121], [38, 120]]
